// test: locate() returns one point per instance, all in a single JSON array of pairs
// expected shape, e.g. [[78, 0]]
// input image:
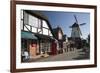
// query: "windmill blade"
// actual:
[[79, 30], [82, 24], [75, 19]]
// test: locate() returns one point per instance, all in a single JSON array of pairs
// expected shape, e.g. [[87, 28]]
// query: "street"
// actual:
[[77, 54]]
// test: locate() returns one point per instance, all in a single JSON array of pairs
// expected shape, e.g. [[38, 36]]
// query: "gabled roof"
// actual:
[[56, 30], [40, 15], [37, 14]]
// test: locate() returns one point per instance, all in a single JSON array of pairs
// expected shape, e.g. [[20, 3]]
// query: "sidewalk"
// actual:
[[38, 57], [71, 55]]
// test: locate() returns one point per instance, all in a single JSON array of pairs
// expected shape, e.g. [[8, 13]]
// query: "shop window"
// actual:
[[24, 44]]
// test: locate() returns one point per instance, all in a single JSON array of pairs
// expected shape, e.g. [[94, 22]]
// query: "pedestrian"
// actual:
[[26, 55]]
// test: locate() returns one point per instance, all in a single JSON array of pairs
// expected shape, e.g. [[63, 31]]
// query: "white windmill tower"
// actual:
[[76, 32]]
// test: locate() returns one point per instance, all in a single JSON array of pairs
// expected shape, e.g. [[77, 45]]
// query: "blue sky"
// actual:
[[66, 19]]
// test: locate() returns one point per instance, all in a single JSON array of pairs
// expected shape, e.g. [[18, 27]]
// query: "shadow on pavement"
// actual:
[[85, 55]]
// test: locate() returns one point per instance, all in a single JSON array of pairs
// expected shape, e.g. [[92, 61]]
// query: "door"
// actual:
[[32, 49], [53, 48]]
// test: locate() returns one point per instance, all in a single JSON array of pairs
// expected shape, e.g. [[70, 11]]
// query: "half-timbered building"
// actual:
[[59, 35], [36, 34]]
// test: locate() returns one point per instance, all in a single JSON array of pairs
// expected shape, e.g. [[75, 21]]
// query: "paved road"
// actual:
[[73, 55]]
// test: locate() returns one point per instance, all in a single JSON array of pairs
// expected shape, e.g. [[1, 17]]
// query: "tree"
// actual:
[[88, 39]]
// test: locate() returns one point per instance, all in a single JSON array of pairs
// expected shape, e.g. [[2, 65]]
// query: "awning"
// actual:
[[40, 36], [28, 35]]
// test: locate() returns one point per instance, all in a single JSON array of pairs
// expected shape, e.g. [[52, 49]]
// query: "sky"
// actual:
[[66, 19]]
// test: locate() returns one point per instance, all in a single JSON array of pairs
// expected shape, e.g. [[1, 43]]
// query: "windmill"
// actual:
[[76, 32]]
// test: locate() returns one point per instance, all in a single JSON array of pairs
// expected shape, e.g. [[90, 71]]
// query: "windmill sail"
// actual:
[[82, 24], [76, 19], [76, 31], [80, 31]]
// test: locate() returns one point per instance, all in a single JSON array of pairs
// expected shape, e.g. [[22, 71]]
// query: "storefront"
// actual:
[[29, 44], [36, 34], [45, 44]]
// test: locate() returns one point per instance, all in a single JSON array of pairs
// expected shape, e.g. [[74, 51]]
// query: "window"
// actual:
[[35, 24], [33, 21], [45, 31], [45, 24], [39, 23], [34, 29], [21, 19], [24, 44], [50, 34], [40, 31], [59, 35], [26, 27], [25, 18]]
